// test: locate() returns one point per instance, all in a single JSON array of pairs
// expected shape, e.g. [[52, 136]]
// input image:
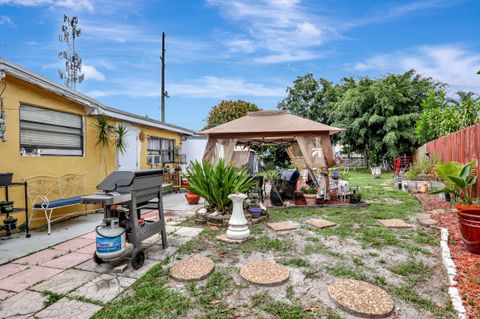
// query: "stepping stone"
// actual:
[[423, 216], [156, 252], [265, 273], [28, 277], [25, 304], [104, 288], [11, 269], [282, 226], [68, 261], [193, 268], [66, 281], [40, 257], [69, 309], [225, 239], [394, 223], [427, 222], [320, 223], [361, 298], [74, 244]]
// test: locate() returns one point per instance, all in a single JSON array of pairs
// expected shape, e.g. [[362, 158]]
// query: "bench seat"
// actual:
[[61, 202]]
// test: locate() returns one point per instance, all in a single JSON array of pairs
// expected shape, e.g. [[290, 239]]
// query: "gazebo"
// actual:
[[308, 142]]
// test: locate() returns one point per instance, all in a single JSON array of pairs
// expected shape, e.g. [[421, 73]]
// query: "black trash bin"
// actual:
[[6, 179]]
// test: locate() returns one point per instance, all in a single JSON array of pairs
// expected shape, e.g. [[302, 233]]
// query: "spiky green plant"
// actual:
[[120, 134], [215, 182], [102, 131]]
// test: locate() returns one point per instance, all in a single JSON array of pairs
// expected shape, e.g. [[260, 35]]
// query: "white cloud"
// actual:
[[91, 73], [77, 5], [275, 29], [6, 21], [452, 64], [216, 87]]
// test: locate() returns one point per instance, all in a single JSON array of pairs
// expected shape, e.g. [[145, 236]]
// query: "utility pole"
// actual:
[[163, 94]]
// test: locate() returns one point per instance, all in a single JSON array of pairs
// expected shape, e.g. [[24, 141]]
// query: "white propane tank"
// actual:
[[110, 239]]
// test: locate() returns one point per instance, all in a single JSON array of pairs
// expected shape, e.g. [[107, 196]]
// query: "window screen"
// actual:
[[47, 132], [163, 147]]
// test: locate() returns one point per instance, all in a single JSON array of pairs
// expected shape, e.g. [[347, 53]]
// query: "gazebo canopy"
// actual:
[[311, 139], [269, 127]]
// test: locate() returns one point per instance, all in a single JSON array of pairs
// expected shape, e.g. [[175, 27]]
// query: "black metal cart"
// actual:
[[7, 187]]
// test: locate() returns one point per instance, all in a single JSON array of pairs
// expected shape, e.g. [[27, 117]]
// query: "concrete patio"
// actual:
[[62, 264]]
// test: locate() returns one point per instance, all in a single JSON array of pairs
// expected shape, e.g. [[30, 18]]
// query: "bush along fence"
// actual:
[[462, 146]]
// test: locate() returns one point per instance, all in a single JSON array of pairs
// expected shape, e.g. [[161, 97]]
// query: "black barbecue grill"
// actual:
[[131, 190]]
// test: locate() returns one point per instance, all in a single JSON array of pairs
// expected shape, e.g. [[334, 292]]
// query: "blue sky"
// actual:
[[248, 49]]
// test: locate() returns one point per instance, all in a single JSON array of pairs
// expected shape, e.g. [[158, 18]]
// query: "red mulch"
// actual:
[[468, 264]]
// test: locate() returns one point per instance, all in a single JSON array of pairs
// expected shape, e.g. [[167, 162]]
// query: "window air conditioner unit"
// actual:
[[153, 160]]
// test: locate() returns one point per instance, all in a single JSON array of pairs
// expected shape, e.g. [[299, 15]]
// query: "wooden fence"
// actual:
[[462, 146]]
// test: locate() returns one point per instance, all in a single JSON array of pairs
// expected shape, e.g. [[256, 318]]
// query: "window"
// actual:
[[47, 132], [160, 150]]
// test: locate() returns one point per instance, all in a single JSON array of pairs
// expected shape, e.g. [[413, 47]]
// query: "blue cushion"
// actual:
[[61, 202]]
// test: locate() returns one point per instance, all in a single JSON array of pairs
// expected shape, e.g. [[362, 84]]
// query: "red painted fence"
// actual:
[[462, 146]]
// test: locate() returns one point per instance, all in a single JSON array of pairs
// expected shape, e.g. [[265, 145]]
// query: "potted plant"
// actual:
[[253, 201], [310, 195], [192, 198], [462, 185]]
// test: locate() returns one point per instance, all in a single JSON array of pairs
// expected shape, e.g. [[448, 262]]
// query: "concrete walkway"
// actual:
[[67, 269], [17, 245]]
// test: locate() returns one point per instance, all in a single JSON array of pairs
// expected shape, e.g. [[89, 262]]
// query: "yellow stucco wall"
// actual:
[[19, 92]]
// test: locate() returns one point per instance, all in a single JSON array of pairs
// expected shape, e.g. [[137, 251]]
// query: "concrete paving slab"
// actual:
[[137, 273], [5, 294], [89, 249], [65, 281], [104, 288], [156, 252], [171, 229], [25, 304], [41, 257], [189, 231], [28, 277], [90, 235], [394, 223], [74, 244], [175, 241], [69, 309], [90, 265], [11, 269], [68, 261], [18, 245], [282, 226]]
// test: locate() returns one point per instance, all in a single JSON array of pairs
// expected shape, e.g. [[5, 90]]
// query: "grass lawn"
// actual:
[[405, 262]]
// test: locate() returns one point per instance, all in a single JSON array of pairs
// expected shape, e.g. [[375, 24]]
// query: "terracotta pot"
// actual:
[[192, 198], [469, 220], [311, 199]]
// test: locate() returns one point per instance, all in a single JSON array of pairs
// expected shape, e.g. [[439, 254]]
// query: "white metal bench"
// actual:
[[48, 193]]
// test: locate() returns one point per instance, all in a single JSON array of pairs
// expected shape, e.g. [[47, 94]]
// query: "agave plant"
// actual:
[[215, 182], [461, 183], [120, 134]]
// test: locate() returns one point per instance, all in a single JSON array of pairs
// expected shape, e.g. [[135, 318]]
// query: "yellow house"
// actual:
[[48, 130]]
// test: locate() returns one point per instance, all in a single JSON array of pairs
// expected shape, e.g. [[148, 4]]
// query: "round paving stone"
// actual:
[[360, 298], [192, 268], [265, 273]]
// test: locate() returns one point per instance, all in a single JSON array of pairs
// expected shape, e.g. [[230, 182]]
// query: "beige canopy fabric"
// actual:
[[274, 127]]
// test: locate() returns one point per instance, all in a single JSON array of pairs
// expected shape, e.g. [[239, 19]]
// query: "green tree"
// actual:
[[380, 115], [227, 111], [442, 115]]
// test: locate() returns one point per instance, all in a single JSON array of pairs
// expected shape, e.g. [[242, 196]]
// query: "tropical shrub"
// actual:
[[461, 184], [215, 182], [424, 167]]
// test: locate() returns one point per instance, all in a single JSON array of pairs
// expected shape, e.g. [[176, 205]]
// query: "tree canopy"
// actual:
[[379, 115], [227, 111], [442, 115]]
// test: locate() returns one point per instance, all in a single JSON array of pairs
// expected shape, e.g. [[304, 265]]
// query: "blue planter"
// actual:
[[255, 211]]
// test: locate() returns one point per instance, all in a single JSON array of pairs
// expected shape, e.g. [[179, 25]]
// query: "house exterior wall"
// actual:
[[90, 164]]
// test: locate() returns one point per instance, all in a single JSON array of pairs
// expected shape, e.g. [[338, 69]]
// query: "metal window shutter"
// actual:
[[36, 114], [49, 139]]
